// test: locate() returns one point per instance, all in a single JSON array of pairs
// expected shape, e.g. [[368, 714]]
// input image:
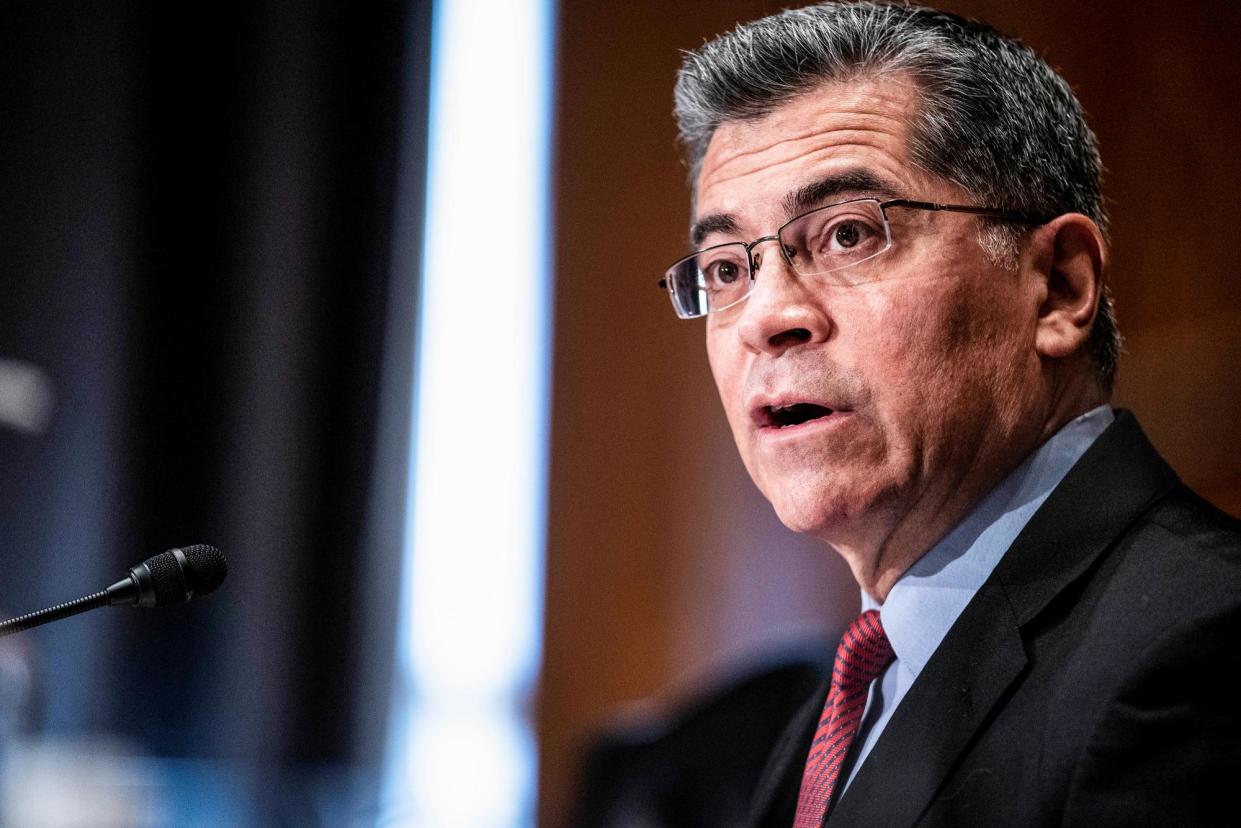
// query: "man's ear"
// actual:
[[1069, 254]]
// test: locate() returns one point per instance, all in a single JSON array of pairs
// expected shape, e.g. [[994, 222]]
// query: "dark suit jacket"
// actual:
[[1092, 681]]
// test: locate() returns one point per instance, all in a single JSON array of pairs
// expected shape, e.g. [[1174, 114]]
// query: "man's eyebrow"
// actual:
[[717, 223], [847, 183]]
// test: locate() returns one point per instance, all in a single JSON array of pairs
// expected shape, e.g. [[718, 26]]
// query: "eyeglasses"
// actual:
[[827, 241]]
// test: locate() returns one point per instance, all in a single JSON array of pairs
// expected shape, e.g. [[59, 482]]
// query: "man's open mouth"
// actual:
[[784, 416]]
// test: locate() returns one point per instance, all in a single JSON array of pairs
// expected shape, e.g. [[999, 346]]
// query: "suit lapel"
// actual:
[[1114, 483], [936, 718], [940, 714], [983, 654]]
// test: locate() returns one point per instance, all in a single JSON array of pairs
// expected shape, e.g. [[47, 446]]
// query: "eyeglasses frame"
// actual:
[[1014, 216]]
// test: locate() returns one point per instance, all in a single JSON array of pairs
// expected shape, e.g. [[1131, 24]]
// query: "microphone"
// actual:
[[172, 577]]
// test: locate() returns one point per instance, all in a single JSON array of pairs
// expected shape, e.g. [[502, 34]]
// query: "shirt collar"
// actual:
[[924, 604]]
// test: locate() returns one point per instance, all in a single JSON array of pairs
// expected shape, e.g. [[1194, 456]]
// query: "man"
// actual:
[[901, 261]]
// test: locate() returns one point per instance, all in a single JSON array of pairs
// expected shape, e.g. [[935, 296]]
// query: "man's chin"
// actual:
[[832, 517], [836, 513]]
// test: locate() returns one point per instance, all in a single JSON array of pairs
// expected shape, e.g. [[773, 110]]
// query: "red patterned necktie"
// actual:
[[863, 654]]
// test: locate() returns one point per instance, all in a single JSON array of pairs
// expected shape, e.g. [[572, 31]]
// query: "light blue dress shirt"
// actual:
[[927, 600]]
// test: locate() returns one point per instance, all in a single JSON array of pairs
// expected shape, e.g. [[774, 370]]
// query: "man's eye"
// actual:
[[723, 272], [844, 239], [847, 235]]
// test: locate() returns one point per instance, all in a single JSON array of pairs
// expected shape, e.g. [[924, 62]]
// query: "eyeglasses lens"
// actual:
[[710, 280], [836, 237]]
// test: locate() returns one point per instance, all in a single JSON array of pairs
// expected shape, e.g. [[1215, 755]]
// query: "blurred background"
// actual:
[[364, 294]]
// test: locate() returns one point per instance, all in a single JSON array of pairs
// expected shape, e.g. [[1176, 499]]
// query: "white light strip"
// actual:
[[471, 621]]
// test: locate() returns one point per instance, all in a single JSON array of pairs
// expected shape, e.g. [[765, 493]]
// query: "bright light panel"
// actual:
[[462, 752]]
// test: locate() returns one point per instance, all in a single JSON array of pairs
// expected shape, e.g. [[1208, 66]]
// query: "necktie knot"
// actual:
[[863, 653]]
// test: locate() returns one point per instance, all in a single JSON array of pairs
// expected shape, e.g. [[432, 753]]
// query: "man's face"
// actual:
[[923, 376]]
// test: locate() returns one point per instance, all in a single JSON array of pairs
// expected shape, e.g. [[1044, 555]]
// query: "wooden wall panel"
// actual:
[[665, 567]]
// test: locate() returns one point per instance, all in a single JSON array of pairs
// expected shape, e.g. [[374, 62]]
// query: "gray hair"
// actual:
[[993, 118]]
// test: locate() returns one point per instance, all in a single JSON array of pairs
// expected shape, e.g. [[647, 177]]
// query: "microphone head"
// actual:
[[207, 567], [178, 575]]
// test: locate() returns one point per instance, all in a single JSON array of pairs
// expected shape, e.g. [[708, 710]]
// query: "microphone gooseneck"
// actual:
[[44, 616], [171, 577]]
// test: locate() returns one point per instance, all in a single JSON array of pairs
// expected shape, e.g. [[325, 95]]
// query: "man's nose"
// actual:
[[784, 309]]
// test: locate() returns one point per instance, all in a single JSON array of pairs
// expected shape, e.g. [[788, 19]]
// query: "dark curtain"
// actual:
[[203, 245]]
